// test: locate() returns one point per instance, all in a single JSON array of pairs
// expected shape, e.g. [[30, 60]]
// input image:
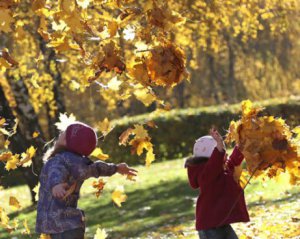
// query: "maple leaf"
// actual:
[[65, 121], [99, 185], [13, 162], [100, 234], [14, 202], [145, 96], [140, 132], [98, 153], [5, 156], [118, 196], [27, 157], [104, 126], [124, 137]]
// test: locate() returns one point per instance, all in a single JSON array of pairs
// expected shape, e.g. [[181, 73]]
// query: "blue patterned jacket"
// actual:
[[58, 215]]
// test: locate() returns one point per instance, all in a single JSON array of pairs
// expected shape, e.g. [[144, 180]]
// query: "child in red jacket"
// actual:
[[221, 201]]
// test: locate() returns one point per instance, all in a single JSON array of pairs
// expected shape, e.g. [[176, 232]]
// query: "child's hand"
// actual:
[[59, 190], [220, 143], [123, 169]]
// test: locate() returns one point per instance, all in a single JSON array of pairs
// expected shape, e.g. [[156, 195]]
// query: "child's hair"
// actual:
[[52, 151], [197, 160]]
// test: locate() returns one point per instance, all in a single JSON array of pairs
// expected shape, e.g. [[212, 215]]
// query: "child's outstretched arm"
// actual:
[[99, 168]]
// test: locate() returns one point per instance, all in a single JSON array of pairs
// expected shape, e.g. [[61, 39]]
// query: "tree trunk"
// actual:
[[28, 124]]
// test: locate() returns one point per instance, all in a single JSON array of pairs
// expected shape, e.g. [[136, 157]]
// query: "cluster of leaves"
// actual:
[[267, 143], [139, 142]]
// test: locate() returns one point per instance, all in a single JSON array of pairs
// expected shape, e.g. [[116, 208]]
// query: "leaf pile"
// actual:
[[164, 65], [266, 142]]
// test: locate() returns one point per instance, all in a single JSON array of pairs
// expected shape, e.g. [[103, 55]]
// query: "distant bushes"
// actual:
[[178, 129]]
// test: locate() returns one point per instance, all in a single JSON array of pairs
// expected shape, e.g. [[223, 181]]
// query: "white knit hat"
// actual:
[[204, 146]]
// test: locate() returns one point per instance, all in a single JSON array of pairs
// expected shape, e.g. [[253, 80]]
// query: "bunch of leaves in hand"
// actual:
[[266, 142]]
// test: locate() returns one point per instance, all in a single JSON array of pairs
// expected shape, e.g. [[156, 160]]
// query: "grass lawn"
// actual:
[[160, 205]]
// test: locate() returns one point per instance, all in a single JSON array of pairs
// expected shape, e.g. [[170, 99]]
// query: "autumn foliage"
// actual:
[[267, 143]]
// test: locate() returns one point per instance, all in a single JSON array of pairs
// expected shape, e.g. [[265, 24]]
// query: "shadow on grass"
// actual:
[[167, 204]]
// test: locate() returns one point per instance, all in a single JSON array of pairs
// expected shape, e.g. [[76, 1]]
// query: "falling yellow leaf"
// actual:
[[100, 234], [5, 156], [13, 162], [27, 157], [114, 84], [145, 96], [4, 219], [65, 121], [99, 185], [98, 153], [140, 132], [150, 157], [130, 178], [14, 202], [35, 134], [26, 228], [105, 126], [123, 139], [6, 144], [118, 196], [45, 236], [36, 189]]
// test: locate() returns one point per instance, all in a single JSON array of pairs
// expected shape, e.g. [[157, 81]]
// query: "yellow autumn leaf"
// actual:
[[6, 144], [26, 228], [65, 121], [36, 189], [150, 157], [4, 219], [35, 134], [104, 126], [100, 234], [13, 162], [14, 202], [5, 156], [114, 84], [27, 157], [118, 196], [140, 132], [145, 96], [98, 153], [99, 185], [44, 236]]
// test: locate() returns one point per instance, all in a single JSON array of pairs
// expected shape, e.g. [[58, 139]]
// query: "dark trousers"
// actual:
[[223, 232], [77, 233]]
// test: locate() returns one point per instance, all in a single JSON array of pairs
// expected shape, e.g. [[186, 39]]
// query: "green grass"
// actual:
[[160, 204]]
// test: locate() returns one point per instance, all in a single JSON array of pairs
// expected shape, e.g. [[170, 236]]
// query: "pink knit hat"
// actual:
[[204, 146], [81, 138]]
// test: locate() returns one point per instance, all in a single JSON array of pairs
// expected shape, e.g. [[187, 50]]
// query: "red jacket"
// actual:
[[221, 200]]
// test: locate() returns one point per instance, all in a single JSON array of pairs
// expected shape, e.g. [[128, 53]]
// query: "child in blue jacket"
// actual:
[[68, 166]]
